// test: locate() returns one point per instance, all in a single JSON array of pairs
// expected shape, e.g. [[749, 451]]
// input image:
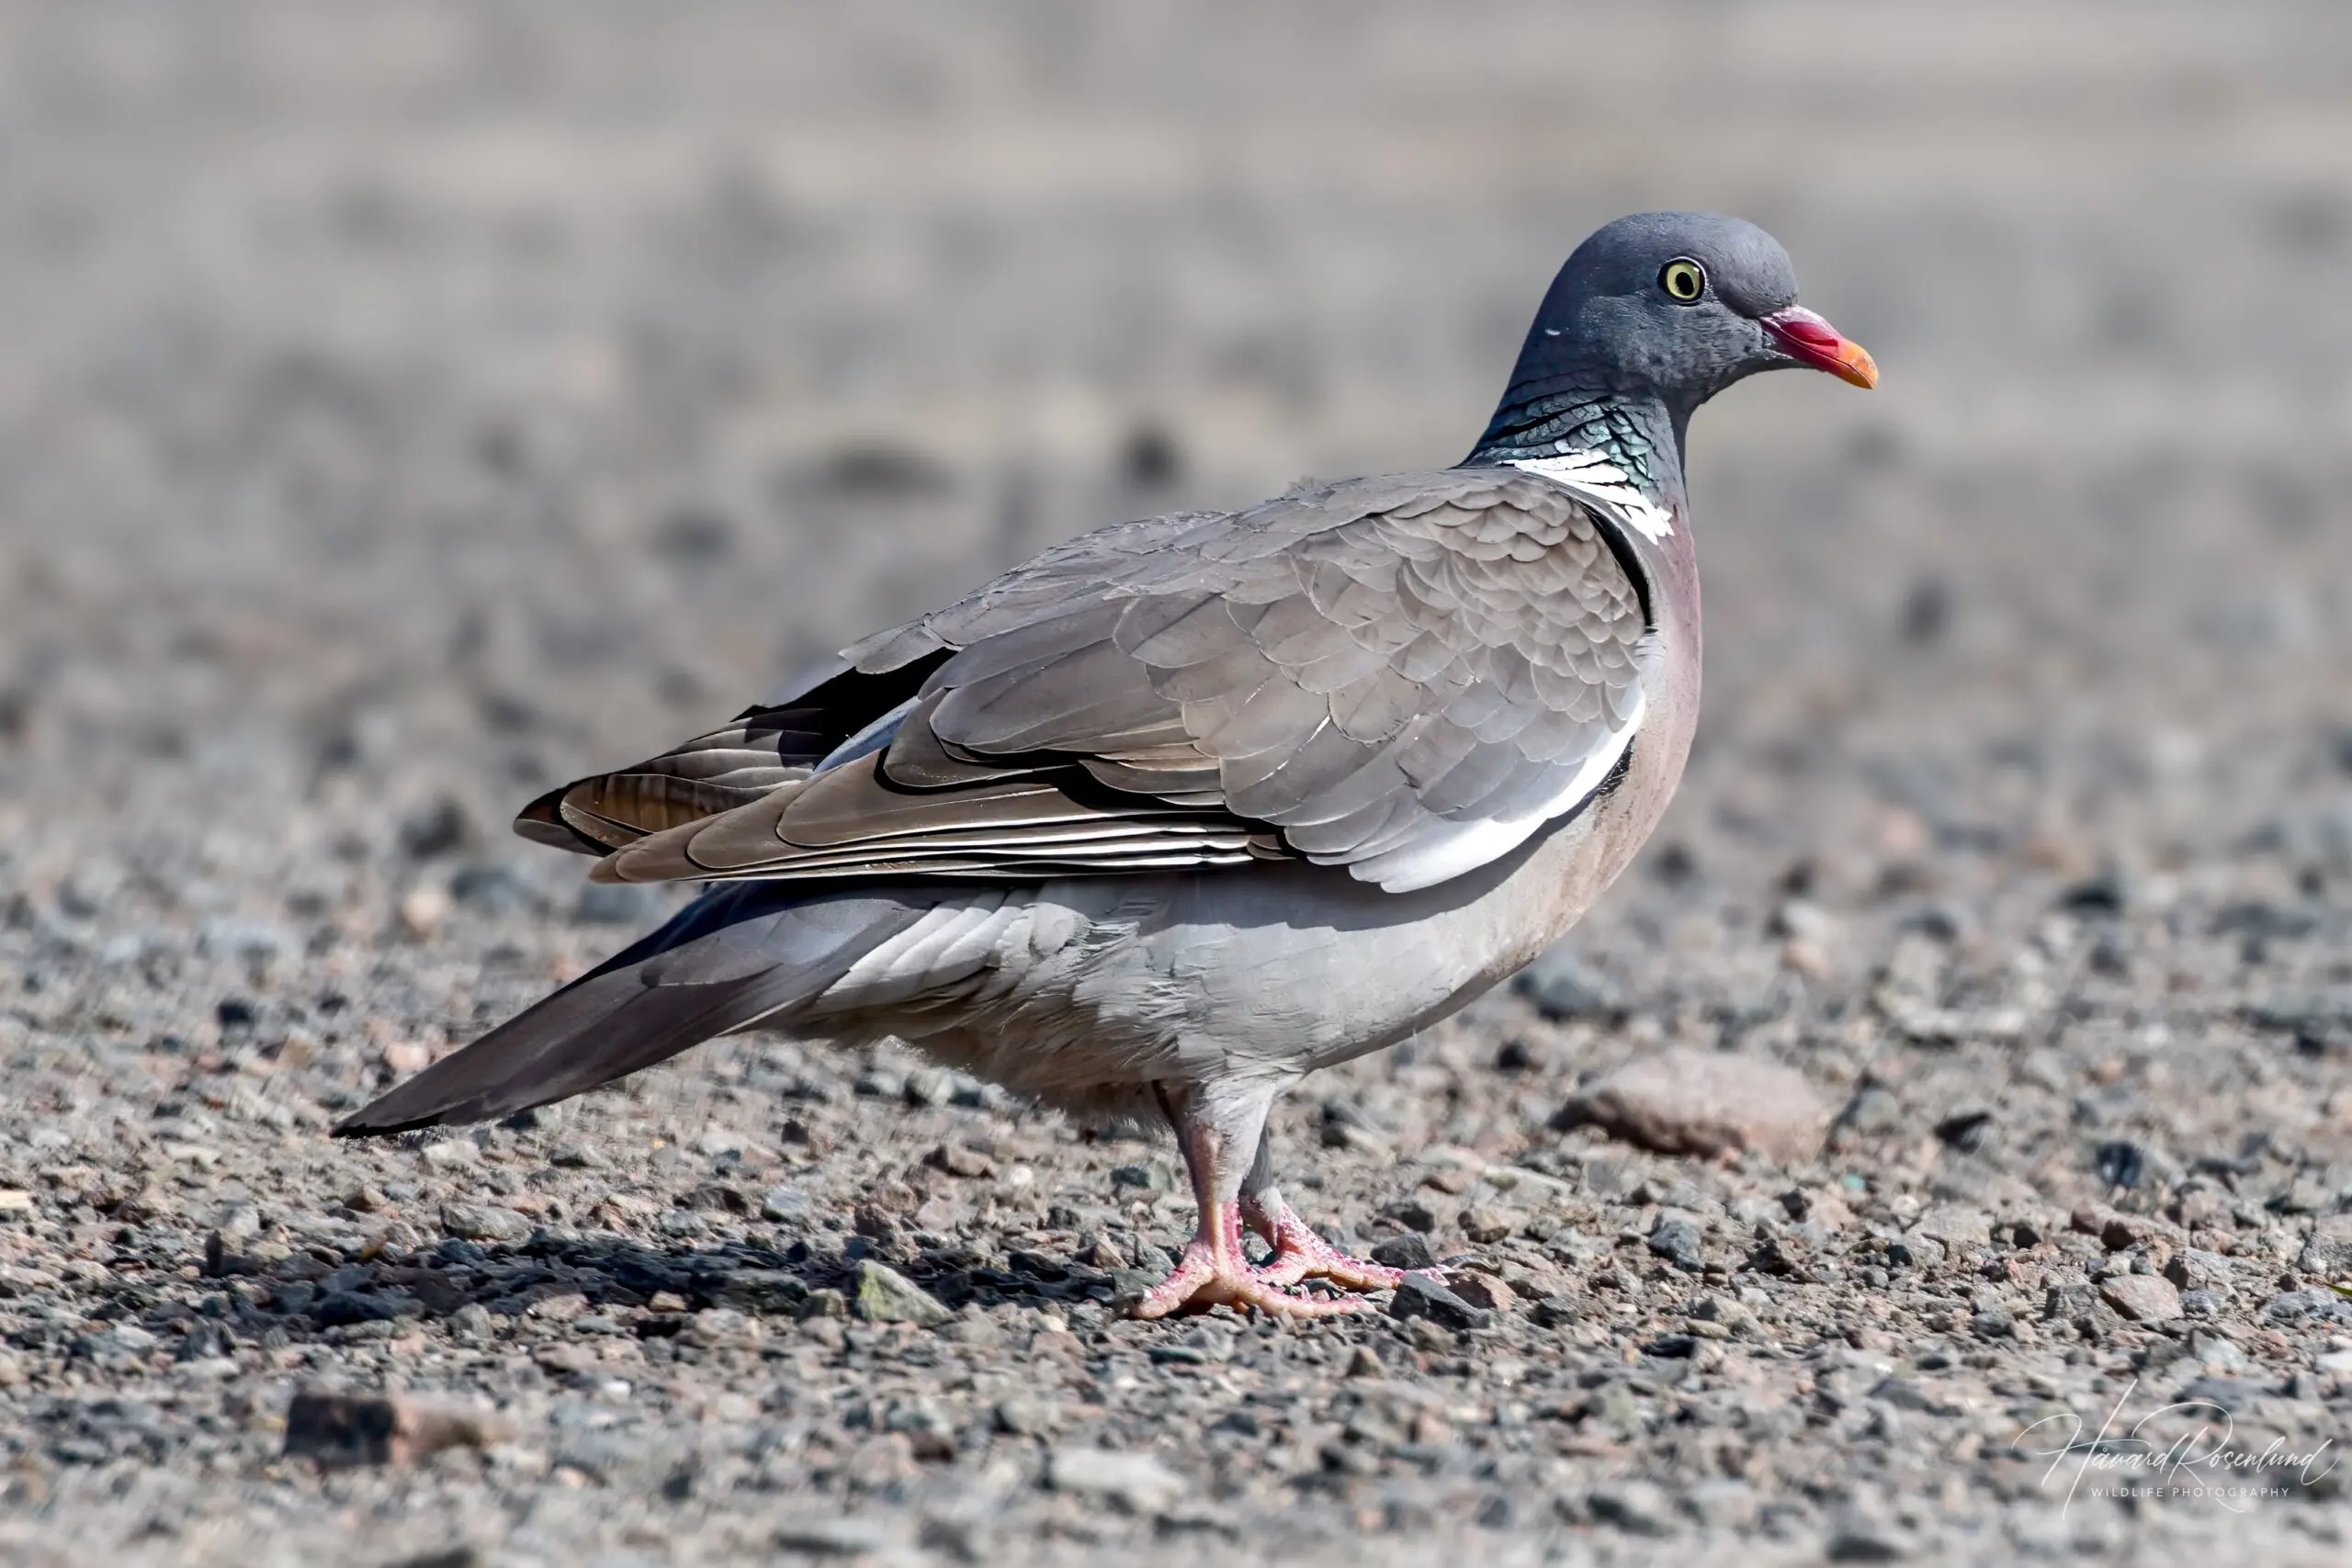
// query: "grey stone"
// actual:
[[1136, 1483], [1786, 1254], [337, 1428], [1563, 986], [1410, 1251], [1636, 1508], [1956, 1225], [440, 828], [337, 1309], [2192, 1268], [2308, 1306], [716, 1327], [618, 1459], [1873, 1112], [1026, 1417], [1993, 1324], [930, 1086], [1955, 1026], [961, 1160], [974, 1095], [484, 1221], [204, 1341], [88, 888], [784, 1205], [2142, 1298], [449, 1153], [2231, 1394], [2068, 1301], [1421, 1296], [1677, 1242], [1706, 1102], [884, 1295], [474, 1320], [119, 1347], [492, 889], [1413, 1213], [828, 1535], [1860, 1534], [1725, 1504], [1145, 1176], [1427, 1334], [1911, 1394], [880, 1083], [1734, 1315], [2327, 1252], [758, 1290], [252, 940], [2319, 1020]]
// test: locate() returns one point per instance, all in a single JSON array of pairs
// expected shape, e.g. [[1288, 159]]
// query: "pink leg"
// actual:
[[1214, 1272], [1300, 1254]]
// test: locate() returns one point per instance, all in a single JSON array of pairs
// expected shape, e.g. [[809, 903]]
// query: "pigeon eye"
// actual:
[[1683, 279]]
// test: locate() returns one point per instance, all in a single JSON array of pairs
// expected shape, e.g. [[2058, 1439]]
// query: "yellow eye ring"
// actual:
[[1683, 279]]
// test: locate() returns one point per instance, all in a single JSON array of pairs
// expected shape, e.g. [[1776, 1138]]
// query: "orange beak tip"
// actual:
[[1855, 365]]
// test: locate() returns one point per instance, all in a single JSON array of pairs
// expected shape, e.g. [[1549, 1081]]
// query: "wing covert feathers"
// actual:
[[1405, 676]]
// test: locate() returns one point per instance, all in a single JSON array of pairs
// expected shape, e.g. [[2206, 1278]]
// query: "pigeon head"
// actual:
[[1680, 305], [1652, 316]]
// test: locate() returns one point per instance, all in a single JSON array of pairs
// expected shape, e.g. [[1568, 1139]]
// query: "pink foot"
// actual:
[[1215, 1272], [1300, 1254]]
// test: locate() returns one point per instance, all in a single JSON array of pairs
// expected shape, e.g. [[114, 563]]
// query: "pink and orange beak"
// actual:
[[1812, 341]]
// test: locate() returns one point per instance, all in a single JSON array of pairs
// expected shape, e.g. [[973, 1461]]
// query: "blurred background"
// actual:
[[404, 407]]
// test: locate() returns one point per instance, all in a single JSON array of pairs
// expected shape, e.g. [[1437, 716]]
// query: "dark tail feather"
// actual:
[[730, 958]]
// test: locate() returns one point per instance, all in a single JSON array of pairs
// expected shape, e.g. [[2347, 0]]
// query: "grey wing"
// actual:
[[770, 744], [1407, 677], [782, 738]]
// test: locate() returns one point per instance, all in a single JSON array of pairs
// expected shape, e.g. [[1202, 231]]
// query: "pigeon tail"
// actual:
[[737, 956]]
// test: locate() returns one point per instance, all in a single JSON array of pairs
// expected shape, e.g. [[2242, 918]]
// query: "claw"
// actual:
[[1200, 1282], [1300, 1254], [1215, 1273]]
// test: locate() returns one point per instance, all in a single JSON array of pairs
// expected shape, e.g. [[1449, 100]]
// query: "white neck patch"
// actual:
[[1600, 482]]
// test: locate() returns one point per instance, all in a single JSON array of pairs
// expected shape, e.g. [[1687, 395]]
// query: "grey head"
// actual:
[[1652, 316]]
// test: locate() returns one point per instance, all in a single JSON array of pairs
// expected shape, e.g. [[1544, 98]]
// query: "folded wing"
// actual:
[[1407, 677]]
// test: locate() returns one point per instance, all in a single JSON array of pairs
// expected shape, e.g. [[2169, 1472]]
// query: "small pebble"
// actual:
[[484, 1221], [1679, 1242], [1135, 1483], [1421, 1295], [1684, 1101], [2142, 1298], [884, 1295], [341, 1429], [957, 1160]]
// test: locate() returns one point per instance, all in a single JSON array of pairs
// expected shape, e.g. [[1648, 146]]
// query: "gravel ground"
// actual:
[[404, 407]]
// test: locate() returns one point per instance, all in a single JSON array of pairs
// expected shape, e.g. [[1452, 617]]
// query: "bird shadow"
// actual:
[[619, 1284]]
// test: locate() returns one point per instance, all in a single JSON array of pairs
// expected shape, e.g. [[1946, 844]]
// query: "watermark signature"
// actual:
[[2204, 1461]]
